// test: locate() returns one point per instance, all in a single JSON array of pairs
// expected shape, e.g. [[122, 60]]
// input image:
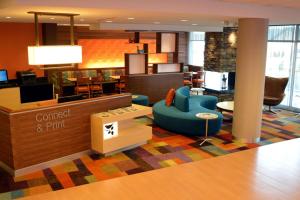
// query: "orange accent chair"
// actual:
[[121, 86], [96, 88], [83, 86], [198, 79], [188, 79]]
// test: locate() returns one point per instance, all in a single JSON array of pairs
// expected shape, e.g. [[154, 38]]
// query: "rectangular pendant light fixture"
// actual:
[[54, 54]]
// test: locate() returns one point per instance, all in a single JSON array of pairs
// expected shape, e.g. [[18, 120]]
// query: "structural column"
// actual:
[[250, 78]]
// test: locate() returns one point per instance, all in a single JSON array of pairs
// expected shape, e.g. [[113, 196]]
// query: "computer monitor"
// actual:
[[3, 76], [214, 79]]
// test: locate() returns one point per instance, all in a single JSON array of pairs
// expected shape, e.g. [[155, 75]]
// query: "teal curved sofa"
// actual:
[[140, 99], [180, 116]]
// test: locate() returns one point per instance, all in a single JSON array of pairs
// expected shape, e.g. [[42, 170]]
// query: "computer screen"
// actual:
[[3, 76], [214, 79]]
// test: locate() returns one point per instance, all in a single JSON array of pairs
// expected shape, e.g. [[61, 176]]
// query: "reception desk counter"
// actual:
[[33, 136]]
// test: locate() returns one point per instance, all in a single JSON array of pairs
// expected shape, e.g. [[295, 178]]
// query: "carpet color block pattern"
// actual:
[[166, 149]]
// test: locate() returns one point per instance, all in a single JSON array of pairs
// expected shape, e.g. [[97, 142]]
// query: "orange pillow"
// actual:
[[170, 96]]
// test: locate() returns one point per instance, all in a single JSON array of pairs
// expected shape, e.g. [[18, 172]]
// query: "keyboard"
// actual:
[[8, 85]]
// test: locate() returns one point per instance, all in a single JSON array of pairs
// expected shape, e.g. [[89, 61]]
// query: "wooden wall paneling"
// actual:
[[175, 54], [5, 139], [146, 48], [147, 35], [146, 63], [136, 37], [158, 42], [194, 68], [35, 140], [49, 33], [155, 86], [126, 56], [181, 67], [154, 68]]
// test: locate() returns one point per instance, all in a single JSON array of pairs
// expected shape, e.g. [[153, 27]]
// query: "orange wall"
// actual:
[[101, 53], [14, 40]]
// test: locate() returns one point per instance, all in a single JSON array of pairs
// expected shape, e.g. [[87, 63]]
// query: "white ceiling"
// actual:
[[204, 13], [282, 3]]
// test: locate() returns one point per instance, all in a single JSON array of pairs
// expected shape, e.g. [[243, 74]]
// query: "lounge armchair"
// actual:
[[274, 91]]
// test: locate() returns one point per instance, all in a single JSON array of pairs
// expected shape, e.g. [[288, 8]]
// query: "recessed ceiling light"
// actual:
[[7, 17], [131, 18], [194, 24], [108, 21], [184, 20], [156, 22], [52, 18]]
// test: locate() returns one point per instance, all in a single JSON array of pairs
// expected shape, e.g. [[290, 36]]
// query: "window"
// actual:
[[281, 33], [196, 48], [283, 60]]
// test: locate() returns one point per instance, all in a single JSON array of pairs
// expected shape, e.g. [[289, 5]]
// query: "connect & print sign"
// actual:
[[50, 121]]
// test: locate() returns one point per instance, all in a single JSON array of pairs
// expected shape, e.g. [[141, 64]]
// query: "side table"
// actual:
[[197, 90], [206, 117]]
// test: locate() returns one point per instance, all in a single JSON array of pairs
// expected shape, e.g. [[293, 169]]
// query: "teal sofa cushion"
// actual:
[[181, 100], [184, 91]]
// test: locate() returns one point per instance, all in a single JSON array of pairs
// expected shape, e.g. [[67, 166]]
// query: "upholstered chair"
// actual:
[[188, 79], [83, 86], [274, 91], [96, 86]]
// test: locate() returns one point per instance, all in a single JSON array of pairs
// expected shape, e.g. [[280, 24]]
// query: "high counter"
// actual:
[[42, 134]]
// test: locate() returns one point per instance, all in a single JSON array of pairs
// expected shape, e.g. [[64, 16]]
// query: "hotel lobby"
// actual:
[[149, 100]]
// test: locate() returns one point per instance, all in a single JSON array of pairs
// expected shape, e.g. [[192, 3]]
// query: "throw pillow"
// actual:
[[170, 97]]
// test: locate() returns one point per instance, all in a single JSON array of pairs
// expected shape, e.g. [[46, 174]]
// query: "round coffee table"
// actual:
[[227, 106], [206, 116]]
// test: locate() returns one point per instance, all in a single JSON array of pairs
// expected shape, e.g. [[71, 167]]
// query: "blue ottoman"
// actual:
[[140, 99]]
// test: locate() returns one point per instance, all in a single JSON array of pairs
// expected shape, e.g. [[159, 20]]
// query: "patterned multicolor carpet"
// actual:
[[164, 150]]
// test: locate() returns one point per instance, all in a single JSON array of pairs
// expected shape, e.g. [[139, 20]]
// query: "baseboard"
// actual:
[[44, 165]]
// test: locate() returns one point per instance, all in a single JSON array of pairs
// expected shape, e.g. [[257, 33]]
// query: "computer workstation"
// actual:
[[220, 84], [4, 81]]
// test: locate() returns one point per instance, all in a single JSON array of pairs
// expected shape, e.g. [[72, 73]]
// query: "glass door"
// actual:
[[283, 60], [279, 57]]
